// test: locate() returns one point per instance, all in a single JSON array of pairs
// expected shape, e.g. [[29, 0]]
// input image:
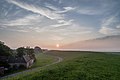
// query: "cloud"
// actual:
[[66, 9], [18, 30], [54, 14], [32, 22], [58, 10], [107, 22], [111, 25], [63, 23], [56, 38], [73, 30], [51, 6], [2, 26], [37, 9], [38, 29], [118, 26], [100, 7], [14, 29], [25, 21], [109, 31], [88, 11], [78, 29]]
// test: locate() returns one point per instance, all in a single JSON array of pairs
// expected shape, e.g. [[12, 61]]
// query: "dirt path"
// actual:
[[59, 59]]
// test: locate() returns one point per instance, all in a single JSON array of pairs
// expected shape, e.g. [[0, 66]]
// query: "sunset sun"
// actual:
[[57, 45]]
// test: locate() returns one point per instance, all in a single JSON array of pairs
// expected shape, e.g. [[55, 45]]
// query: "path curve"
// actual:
[[59, 59]]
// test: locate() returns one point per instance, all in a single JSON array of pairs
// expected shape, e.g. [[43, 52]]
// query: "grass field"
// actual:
[[42, 60], [78, 66]]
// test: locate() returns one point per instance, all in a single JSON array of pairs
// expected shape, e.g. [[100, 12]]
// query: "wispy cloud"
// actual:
[[63, 23], [19, 30], [25, 21], [109, 31], [24, 24], [99, 8], [37, 9], [55, 14], [2, 27], [56, 38], [118, 26], [14, 29], [110, 26], [48, 5], [59, 10], [89, 11], [66, 9]]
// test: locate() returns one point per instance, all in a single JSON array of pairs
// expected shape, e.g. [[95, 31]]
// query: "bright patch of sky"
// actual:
[[48, 22]]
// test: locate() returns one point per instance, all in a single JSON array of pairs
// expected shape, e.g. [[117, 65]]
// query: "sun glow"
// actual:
[[57, 45]]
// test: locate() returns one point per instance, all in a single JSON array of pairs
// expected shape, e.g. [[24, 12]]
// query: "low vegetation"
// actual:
[[78, 66]]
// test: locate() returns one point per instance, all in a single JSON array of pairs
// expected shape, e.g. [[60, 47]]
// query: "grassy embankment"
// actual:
[[78, 66]]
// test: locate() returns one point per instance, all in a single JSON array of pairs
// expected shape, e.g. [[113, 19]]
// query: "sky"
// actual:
[[49, 23]]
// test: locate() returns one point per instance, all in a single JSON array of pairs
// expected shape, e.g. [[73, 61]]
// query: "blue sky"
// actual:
[[49, 22]]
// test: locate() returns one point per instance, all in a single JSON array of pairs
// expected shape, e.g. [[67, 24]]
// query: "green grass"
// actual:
[[78, 66], [43, 59]]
